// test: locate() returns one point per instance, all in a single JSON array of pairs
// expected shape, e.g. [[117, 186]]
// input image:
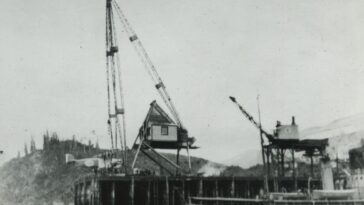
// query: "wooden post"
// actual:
[[155, 192], [84, 196], [183, 191], [248, 188], [200, 189], [216, 191], [311, 158], [113, 193], [92, 190], [76, 195], [294, 170], [268, 162], [232, 190], [131, 191], [147, 200], [167, 192], [173, 190], [282, 162], [177, 161], [275, 169]]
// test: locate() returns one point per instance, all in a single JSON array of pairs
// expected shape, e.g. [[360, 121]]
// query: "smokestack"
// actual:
[[293, 120]]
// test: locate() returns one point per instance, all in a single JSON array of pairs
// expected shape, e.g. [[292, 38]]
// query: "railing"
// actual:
[[245, 201]]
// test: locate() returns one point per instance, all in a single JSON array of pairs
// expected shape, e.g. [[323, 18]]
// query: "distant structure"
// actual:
[[274, 147]]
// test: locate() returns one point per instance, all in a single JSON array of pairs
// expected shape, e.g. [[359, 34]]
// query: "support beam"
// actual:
[[294, 175], [282, 162], [155, 161], [189, 158], [136, 155], [311, 165], [165, 158]]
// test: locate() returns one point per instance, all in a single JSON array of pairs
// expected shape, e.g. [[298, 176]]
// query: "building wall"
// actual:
[[156, 134]]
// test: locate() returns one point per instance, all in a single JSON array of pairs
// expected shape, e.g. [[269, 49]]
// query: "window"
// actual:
[[164, 130]]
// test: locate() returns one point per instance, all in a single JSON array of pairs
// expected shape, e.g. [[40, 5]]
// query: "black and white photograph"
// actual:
[[182, 102]]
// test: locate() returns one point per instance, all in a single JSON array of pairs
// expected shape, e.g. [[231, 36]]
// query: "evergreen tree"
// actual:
[[32, 145], [25, 149], [46, 141], [74, 143], [97, 145]]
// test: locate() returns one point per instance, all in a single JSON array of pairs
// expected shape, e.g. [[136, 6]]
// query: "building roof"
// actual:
[[157, 115]]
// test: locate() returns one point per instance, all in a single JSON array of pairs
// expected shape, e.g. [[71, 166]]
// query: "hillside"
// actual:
[[43, 177], [344, 134]]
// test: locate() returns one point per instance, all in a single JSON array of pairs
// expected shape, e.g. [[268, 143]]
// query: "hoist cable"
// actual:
[[148, 64]]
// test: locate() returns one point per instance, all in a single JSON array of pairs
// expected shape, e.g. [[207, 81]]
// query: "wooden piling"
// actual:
[[112, 198], [216, 190], [200, 189], [232, 189], [166, 192], [131, 191], [183, 191], [147, 198]]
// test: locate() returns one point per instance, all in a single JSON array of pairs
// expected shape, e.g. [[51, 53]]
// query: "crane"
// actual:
[[251, 119], [149, 66], [261, 132], [113, 67]]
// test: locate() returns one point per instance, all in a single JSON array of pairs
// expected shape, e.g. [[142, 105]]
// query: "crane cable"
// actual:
[[148, 65], [251, 119]]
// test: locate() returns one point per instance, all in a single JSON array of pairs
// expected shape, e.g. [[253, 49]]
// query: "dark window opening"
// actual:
[[164, 130]]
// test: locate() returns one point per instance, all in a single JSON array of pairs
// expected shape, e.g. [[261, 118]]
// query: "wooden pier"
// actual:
[[167, 190]]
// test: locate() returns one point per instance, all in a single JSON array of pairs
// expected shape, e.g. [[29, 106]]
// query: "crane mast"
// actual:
[[251, 119], [149, 66], [116, 110]]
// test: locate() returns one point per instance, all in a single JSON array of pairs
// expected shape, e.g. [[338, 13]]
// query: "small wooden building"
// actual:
[[160, 131]]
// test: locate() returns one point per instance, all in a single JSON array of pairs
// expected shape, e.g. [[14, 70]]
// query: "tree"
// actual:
[[97, 145], [46, 141], [25, 149], [32, 145]]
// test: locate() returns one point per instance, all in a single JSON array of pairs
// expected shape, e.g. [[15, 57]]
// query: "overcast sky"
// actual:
[[304, 58]]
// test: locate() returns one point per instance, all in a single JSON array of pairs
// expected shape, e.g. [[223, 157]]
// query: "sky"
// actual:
[[304, 58]]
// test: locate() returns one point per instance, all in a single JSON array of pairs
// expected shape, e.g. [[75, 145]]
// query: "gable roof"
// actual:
[[157, 115]]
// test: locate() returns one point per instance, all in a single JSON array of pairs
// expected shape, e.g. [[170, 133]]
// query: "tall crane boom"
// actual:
[[149, 66], [251, 119]]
